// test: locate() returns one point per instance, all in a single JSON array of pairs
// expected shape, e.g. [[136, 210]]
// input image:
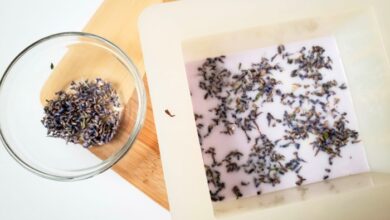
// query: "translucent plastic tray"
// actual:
[[175, 33]]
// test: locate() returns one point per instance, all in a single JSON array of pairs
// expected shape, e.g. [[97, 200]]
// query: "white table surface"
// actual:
[[24, 195]]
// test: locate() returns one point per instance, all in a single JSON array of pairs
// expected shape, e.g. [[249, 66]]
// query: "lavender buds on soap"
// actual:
[[87, 113], [273, 118]]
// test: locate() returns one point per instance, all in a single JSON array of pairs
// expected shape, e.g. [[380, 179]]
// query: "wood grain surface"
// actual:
[[116, 20], [141, 166]]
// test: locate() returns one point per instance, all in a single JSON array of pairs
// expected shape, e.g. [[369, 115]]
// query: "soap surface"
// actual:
[[316, 166]]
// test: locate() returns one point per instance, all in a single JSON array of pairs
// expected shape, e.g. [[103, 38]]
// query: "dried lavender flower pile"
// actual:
[[87, 113], [310, 113]]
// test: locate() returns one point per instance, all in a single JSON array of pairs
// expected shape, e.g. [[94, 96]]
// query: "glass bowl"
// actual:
[[50, 65]]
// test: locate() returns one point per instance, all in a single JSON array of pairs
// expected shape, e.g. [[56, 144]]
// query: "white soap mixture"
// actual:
[[312, 167]]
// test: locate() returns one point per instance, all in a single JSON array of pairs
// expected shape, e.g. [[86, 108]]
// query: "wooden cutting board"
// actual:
[[116, 20]]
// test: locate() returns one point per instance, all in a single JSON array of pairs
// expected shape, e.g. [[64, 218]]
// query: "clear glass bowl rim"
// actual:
[[113, 159]]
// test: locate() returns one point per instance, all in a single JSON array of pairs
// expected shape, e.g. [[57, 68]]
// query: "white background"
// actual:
[[26, 196]]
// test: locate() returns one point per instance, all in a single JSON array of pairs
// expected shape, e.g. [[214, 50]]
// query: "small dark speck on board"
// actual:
[[51, 66]]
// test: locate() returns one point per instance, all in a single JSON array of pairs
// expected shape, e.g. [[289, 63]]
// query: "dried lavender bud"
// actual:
[[198, 116], [237, 192], [87, 113], [270, 117], [343, 86], [244, 183], [300, 180], [169, 113], [281, 49]]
